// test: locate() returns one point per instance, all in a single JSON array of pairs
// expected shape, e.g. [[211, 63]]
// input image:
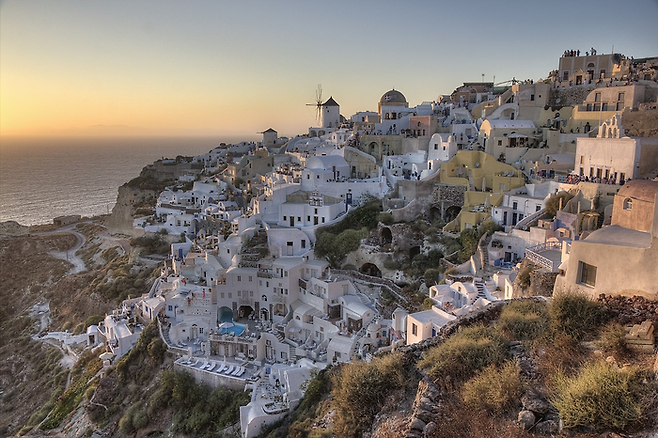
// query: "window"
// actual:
[[414, 329], [532, 97], [565, 76], [597, 97], [500, 142], [587, 274], [200, 330], [515, 205], [239, 277], [628, 204], [582, 159], [251, 278], [170, 308], [303, 243]]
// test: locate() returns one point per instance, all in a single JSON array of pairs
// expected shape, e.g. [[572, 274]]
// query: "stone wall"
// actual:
[[561, 97]]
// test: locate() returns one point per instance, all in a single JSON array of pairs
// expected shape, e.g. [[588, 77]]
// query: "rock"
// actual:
[[430, 429], [548, 427], [534, 402], [417, 424], [526, 419]]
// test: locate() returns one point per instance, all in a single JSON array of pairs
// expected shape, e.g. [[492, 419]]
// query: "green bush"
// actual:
[[602, 396], [523, 320], [385, 218], [465, 353], [575, 315], [360, 390], [494, 389], [524, 277]]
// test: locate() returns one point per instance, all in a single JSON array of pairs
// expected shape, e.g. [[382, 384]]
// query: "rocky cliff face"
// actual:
[[129, 199]]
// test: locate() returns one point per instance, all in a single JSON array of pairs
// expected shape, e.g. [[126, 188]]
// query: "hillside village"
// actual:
[[264, 289]]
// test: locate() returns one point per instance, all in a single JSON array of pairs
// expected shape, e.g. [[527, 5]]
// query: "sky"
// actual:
[[150, 67]]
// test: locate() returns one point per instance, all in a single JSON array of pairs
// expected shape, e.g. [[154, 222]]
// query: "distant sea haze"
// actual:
[[42, 178]]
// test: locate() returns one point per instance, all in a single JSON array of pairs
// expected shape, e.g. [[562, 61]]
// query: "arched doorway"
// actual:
[[371, 269], [452, 213], [225, 314], [245, 311], [386, 236]]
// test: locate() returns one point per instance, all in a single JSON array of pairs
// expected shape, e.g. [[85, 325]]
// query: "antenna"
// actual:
[[318, 103]]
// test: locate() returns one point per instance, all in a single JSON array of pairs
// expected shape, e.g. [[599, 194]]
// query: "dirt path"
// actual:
[[70, 254]]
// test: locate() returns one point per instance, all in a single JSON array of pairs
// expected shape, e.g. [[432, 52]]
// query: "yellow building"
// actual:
[[486, 179]]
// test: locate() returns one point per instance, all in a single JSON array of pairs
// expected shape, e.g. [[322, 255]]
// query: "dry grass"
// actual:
[[495, 390], [523, 320], [464, 354], [603, 396]]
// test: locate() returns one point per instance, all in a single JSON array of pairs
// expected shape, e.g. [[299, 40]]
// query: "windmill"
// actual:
[[318, 103]]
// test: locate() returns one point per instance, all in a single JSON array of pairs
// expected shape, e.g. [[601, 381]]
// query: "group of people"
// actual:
[[575, 179], [572, 53]]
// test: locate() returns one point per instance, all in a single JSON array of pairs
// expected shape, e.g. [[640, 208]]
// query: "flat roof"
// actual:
[[433, 316]]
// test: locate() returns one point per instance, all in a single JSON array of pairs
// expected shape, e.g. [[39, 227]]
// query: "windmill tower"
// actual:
[[318, 105]]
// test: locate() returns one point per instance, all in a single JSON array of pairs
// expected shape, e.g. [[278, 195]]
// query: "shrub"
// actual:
[[494, 389], [602, 396], [575, 315], [360, 389], [385, 218], [553, 203], [612, 340], [523, 320], [465, 353], [523, 278]]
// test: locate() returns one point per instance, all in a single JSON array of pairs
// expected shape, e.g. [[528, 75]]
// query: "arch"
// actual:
[[434, 213], [244, 311], [371, 269], [225, 314], [452, 213], [264, 314], [386, 236], [628, 204]]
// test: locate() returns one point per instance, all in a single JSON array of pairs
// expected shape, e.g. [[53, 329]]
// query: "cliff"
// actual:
[[129, 201]]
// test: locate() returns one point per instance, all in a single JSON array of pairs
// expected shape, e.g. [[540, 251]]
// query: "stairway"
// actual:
[[479, 285]]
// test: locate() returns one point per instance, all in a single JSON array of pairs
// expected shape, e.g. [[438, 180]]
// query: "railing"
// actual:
[[533, 254]]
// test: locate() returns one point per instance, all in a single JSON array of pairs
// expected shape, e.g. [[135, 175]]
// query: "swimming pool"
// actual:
[[237, 330]]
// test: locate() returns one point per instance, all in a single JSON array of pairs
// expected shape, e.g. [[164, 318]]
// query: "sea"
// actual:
[[45, 177]]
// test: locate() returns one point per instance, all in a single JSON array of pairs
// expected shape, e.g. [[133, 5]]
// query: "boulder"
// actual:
[[534, 402], [526, 419], [548, 427]]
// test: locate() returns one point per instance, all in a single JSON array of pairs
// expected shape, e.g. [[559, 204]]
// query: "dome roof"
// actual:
[[639, 189], [393, 97]]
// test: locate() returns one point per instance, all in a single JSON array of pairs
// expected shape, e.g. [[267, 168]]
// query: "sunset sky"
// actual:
[[238, 67]]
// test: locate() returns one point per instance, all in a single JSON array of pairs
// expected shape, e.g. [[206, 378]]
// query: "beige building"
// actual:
[[577, 70], [621, 258], [508, 138], [612, 155]]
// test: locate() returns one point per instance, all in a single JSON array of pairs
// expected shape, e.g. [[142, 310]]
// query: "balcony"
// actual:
[[546, 255]]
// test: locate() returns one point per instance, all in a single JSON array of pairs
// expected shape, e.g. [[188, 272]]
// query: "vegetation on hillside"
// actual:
[[334, 242], [478, 372]]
